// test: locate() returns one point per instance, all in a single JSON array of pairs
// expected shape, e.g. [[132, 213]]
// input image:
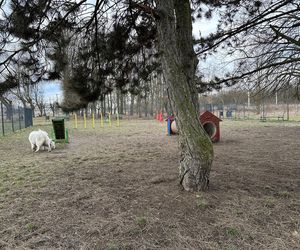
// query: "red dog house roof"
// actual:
[[209, 121], [208, 115], [211, 125]]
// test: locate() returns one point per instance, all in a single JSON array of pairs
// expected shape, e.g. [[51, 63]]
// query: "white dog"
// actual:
[[40, 139]]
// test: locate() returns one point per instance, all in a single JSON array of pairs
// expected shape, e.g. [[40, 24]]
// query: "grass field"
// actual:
[[117, 188]]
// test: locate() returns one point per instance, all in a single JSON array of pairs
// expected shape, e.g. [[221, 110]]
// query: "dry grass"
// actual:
[[117, 188]]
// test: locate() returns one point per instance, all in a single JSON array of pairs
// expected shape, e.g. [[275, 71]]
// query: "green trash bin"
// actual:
[[60, 133]]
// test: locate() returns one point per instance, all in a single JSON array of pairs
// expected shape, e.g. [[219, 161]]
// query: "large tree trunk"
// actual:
[[179, 64]]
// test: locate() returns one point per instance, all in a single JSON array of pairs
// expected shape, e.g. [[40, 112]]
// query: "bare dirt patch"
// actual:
[[117, 188]]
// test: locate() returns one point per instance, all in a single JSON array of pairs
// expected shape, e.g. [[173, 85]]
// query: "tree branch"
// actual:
[[288, 38]]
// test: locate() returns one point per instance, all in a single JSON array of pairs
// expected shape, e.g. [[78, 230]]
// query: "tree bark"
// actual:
[[32, 106], [146, 105], [40, 107], [118, 108], [111, 103], [103, 105], [138, 104], [121, 101], [131, 104], [179, 64], [151, 97], [124, 104], [8, 105], [52, 107]]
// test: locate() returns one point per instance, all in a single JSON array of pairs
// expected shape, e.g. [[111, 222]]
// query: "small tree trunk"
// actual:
[[131, 104], [139, 106], [125, 104], [24, 103], [32, 108], [121, 110], [179, 64], [111, 103], [104, 104], [52, 108], [118, 108], [9, 111], [40, 108], [108, 103], [161, 94], [146, 105], [151, 98]]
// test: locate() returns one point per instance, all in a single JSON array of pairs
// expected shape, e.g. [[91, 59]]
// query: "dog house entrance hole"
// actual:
[[210, 128]]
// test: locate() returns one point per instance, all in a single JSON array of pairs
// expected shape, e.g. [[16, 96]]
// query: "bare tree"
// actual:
[[39, 99], [25, 93], [262, 41]]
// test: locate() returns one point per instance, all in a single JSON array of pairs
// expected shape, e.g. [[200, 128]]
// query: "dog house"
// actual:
[[211, 125], [209, 121]]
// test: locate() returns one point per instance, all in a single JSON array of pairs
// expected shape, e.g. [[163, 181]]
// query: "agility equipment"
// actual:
[[208, 120]]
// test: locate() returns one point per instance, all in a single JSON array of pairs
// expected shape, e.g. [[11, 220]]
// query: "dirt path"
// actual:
[[117, 188]]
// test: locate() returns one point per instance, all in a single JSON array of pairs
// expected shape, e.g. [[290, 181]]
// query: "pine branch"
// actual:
[[144, 8]]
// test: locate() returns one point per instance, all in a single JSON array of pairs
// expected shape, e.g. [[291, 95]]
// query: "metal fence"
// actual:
[[14, 118]]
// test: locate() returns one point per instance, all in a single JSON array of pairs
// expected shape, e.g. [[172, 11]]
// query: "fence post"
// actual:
[[2, 118]]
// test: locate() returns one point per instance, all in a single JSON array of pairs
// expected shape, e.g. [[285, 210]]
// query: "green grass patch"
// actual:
[[3, 190], [112, 246], [231, 247], [270, 202], [284, 194], [31, 227], [201, 202], [232, 231], [141, 221]]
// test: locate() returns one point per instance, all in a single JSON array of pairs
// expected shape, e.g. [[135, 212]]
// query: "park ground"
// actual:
[[117, 188]]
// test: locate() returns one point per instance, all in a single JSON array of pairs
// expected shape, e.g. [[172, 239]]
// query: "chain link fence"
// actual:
[[13, 118]]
